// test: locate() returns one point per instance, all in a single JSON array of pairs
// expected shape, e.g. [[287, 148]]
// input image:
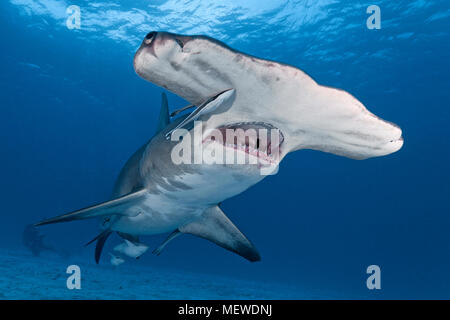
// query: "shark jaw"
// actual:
[[241, 145], [311, 116], [260, 142]]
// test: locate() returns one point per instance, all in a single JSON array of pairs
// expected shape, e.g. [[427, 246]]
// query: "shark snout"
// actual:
[[395, 143], [390, 136], [380, 140]]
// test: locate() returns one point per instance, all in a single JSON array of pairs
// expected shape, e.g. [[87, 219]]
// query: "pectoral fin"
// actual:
[[215, 226], [113, 207]]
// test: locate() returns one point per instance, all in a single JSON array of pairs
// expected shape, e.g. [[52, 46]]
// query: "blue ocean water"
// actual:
[[73, 110]]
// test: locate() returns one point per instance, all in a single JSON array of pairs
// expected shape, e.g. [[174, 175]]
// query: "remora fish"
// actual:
[[130, 249], [233, 91]]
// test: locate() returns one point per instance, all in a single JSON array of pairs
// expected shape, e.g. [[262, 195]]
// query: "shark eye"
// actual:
[[180, 43], [149, 37]]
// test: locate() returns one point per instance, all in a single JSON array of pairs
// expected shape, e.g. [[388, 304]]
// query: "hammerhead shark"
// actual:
[[229, 90]]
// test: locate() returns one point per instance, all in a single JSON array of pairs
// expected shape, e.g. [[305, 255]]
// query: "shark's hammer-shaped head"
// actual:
[[308, 115]]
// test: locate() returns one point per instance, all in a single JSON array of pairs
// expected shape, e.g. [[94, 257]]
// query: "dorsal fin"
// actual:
[[164, 118]]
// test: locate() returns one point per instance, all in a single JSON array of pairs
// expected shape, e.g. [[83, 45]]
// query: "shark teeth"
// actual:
[[253, 138], [253, 152]]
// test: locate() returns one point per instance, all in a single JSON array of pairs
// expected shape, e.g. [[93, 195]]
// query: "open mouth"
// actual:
[[257, 139]]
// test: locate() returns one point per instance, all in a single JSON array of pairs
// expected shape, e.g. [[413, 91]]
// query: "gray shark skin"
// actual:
[[153, 195]]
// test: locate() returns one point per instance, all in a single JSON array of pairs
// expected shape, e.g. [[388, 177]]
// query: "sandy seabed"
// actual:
[[23, 276]]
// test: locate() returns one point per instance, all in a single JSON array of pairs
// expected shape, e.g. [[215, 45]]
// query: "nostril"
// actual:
[[396, 140], [149, 37]]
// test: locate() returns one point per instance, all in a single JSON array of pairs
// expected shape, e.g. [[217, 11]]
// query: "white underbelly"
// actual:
[[167, 210], [214, 185], [157, 214]]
